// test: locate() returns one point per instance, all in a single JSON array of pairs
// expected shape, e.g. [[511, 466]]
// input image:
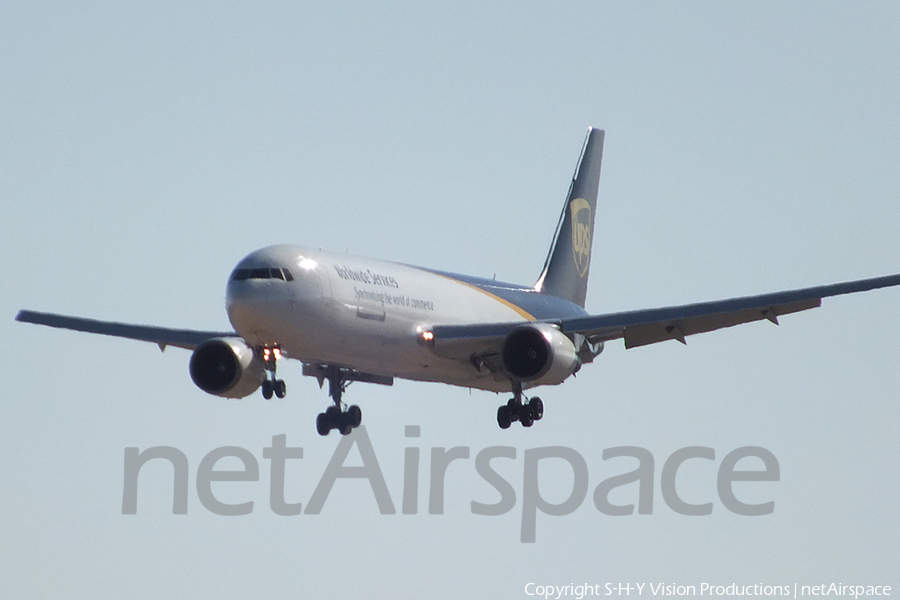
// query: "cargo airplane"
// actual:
[[357, 319]]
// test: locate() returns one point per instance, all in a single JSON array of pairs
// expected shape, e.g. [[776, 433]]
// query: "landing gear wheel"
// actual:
[[537, 408], [335, 418], [519, 408], [344, 426], [267, 389], [503, 417], [323, 427], [354, 416], [527, 416], [515, 409], [280, 388]]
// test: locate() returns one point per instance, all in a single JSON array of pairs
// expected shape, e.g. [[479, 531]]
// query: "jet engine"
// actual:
[[227, 367], [540, 354]]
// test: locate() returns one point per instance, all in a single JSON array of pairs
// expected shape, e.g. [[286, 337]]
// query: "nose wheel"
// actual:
[[518, 410], [275, 387]]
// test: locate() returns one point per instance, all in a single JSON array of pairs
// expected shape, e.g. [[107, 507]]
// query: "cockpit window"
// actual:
[[262, 273]]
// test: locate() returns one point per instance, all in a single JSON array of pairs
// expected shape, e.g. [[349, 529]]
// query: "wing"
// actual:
[[642, 327], [161, 336]]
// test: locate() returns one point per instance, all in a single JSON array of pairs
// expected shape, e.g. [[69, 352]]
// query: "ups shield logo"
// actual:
[[581, 234]]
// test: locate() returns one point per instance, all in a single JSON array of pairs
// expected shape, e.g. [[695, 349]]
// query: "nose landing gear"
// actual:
[[271, 385]]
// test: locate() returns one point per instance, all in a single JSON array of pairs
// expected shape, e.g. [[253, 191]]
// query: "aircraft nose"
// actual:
[[245, 306], [256, 296]]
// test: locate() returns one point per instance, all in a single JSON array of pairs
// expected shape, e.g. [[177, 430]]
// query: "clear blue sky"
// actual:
[[144, 149]]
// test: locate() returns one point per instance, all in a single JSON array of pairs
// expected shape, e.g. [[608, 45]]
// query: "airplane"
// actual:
[[352, 319]]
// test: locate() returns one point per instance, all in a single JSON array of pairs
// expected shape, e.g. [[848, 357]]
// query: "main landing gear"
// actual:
[[517, 410], [339, 416], [335, 417], [271, 385]]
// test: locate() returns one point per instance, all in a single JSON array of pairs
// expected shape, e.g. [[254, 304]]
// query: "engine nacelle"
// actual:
[[227, 367], [539, 353]]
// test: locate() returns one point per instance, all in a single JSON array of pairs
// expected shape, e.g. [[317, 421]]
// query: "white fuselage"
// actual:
[[360, 313]]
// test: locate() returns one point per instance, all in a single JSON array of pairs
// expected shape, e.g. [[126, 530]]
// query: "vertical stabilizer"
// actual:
[[566, 271]]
